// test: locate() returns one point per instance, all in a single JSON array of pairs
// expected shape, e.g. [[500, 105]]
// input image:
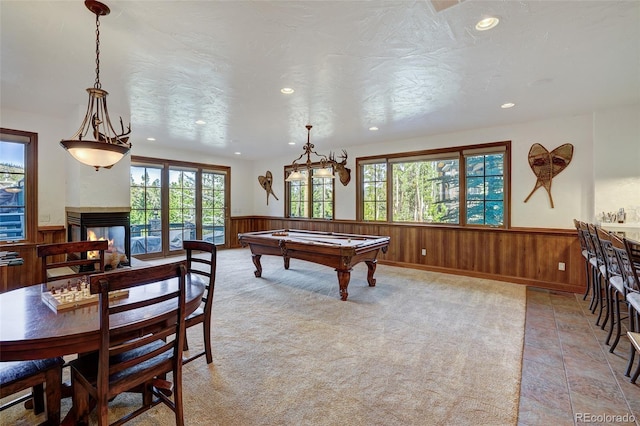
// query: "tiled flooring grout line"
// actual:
[[564, 365], [604, 348]]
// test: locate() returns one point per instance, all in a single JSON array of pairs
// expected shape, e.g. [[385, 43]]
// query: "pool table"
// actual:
[[339, 251]]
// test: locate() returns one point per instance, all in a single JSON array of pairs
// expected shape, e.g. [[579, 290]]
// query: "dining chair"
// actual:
[[17, 376], [205, 267], [137, 357], [64, 261]]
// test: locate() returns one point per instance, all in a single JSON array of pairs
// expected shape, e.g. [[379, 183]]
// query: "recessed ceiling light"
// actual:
[[292, 143], [151, 139], [287, 90], [237, 153], [507, 105], [201, 122], [487, 23], [373, 128]]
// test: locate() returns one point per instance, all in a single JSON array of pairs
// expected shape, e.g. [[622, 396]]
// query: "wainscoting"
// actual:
[[527, 256], [29, 272], [524, 255]]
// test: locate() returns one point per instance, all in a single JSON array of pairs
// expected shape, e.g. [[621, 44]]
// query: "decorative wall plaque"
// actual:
[[546, 165], [266, 182]]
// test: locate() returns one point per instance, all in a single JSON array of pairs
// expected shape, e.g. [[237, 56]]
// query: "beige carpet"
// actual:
[[420, 348]]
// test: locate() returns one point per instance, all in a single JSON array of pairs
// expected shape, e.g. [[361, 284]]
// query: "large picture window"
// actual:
[[175, 201], [309, 198], [457, 186], [18, 186]]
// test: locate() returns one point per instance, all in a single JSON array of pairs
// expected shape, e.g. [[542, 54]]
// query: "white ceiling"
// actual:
[[397, 65]]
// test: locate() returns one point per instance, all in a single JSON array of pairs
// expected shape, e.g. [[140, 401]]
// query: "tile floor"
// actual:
[[568, 375]]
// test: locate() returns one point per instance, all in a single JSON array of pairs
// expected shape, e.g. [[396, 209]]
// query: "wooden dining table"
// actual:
[[32, 329]]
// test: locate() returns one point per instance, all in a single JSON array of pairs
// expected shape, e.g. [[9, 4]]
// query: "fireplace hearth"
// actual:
[[85, 224]]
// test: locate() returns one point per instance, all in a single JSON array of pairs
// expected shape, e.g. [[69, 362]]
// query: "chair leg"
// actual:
[[177, 396], [612, 299], [594, 285], [632, 350], [185, 347], [53, 378], [206, 325], [80, 401], [618, 324], [636, 374], [37, 394], [601, 301], [607, 304], [588, 283]]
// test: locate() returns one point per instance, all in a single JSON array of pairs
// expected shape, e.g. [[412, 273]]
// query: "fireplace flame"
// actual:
[[91, 236]]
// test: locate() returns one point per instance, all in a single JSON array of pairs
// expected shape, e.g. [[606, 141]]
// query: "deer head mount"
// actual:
[[344, 173]]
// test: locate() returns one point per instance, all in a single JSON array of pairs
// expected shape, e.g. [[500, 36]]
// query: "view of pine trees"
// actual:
[[147, 208], [428, 191]]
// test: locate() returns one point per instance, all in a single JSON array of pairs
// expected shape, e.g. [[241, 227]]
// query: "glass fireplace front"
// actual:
[[110, 226]]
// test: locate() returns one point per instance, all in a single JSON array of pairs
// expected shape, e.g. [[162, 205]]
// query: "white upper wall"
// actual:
[[572, 189], [603, 175], [616, 163]]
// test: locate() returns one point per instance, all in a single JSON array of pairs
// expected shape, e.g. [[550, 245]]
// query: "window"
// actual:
[[174, 201], [18, 185], [311, 197], [146, 209], [374, 185], [182, 207], [214, 196], [485, 189], [458, 186]]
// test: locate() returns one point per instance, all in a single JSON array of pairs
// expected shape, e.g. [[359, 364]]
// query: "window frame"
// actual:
[[461, 152], [30, 140], [309, 188], [168, 165]]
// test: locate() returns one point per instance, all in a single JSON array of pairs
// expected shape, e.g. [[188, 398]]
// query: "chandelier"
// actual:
[[323, 172], [96, 143]]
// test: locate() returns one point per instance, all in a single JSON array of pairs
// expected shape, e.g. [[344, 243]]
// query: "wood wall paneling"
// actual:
[[523, 255], [29, 272]]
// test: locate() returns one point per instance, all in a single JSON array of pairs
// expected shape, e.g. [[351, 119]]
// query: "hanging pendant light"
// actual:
[[323, 172], [107, 146]]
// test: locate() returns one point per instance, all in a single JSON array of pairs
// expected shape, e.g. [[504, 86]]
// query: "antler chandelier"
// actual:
[[323, 172], [107, 146]]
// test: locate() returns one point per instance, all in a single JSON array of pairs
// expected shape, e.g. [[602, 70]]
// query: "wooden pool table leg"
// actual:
[[256, 261], [286, 262], [371, 264], [343, 280]]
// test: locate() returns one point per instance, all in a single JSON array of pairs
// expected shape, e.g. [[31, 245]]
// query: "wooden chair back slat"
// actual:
[[75, 260]]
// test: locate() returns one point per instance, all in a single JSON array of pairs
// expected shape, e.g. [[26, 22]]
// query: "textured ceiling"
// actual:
[[398, 65]]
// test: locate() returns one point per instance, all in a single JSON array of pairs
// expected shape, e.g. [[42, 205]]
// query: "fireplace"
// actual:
[[85, 224]]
